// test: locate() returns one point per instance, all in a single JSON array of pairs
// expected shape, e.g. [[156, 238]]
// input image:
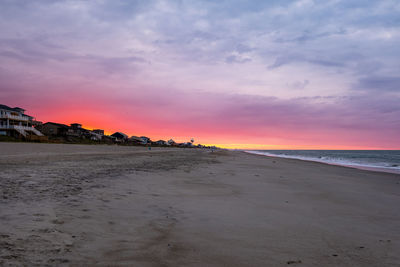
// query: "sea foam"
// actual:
[[378, 160]]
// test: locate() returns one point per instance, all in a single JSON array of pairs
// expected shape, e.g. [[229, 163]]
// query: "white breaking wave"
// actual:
[[333, 161]]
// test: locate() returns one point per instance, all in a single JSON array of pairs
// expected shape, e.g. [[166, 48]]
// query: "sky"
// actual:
[[238, 74]]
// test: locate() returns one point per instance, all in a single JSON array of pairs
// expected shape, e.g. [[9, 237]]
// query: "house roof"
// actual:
[[57, 124], [6, 107], [119, 133], [16, 109], [136, 138]]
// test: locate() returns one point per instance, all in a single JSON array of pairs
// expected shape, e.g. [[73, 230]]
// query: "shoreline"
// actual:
[[353, 166], [127, 206]]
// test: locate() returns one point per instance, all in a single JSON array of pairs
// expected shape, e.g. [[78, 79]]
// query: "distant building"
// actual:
[[146, 140], [53, 129], [161, 143], [186, 144], [76, 126], [171, 142], [14, 122], [36, 123], [77, 131], [136, 140], [99, 131], [95, 136], [120, 136]]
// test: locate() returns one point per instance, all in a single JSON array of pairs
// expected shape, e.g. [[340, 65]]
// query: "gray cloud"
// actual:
[[299, 84], [284, 60], [379, 83], [118, 10], [258, 27], [235, 59]]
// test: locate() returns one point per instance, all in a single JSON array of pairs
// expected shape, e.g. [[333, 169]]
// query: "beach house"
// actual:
[[146, 140], [76, 130], [96, 134], [160, 143], [53, 129], [120, 137], [171, 142], [136, 140], [14, 122], [98, 131]]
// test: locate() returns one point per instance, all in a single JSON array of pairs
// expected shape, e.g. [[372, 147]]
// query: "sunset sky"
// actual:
[[245, 74]]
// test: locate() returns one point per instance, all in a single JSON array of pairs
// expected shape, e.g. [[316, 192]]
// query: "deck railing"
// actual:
[[14, 117], [19, 127]]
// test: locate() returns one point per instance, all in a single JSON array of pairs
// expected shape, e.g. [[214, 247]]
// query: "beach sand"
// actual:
[[81, 205]]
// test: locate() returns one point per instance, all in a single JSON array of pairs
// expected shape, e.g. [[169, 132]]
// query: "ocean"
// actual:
[[378, 160]]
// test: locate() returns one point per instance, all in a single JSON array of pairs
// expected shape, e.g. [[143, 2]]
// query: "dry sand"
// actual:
[[76, 205]]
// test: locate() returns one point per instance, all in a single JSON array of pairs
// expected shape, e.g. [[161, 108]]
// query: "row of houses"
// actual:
[[69, 132], [144, 140], [75, 130], [15, 123]]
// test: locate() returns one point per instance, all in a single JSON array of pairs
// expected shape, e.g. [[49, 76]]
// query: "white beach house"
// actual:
[[13, 122]]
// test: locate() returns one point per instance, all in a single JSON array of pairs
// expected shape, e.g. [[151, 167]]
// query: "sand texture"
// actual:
[[77, 205]]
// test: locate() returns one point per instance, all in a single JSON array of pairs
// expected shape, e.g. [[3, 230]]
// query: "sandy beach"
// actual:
[[82, 205]]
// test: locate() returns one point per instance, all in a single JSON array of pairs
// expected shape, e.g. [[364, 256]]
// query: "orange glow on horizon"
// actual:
[[209, 139], [229, 138], [295, 147]]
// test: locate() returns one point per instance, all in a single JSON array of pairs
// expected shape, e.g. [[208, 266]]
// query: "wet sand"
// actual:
[[77, 205]]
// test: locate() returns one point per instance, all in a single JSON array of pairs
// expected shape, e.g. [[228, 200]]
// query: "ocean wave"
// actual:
[[350, 160]]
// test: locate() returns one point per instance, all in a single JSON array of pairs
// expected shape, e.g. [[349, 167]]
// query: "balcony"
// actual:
[[17, 127], [14, 117]]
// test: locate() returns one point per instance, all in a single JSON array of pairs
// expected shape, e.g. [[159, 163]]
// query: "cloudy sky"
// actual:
[[255, 74]]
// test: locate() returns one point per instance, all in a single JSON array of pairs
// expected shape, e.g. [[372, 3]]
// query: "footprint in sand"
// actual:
[[293, 262], [58, 260], [9, 257], [45, 230]]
